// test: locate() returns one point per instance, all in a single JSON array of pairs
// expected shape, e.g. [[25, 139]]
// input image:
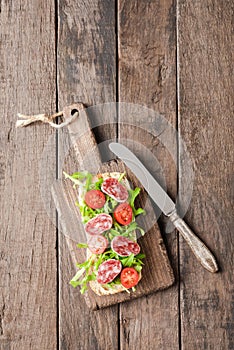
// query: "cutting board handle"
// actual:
[[82, 137]]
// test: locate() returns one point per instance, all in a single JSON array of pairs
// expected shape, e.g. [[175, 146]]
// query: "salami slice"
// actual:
[[99, 224], [115, 189], [97, 244], [123, 246], [108, 270]]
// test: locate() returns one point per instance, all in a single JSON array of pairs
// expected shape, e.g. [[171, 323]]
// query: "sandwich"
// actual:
[[113, 257]]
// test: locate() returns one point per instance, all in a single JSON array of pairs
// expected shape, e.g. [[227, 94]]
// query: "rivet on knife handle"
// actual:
[[199, 249]]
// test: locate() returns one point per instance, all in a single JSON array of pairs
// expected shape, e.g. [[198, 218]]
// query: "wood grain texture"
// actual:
[[147, 75], [206, 123], [28, 314], [86, 73]]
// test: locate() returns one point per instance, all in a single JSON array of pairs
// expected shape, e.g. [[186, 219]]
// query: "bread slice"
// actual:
[[98, 288]]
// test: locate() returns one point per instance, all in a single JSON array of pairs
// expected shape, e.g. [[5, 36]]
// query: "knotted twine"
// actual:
[[46, 119]]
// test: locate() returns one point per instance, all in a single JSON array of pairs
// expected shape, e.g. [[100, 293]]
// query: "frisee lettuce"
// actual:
[[88, 213], [88, 269], [84, 178], [82, 245], [84, 275], [97, 184], [80, 178], [121, 176], [131, 199], [126, 231]]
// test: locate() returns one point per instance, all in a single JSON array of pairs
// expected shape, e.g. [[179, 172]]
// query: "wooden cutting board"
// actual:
[[157, 273]]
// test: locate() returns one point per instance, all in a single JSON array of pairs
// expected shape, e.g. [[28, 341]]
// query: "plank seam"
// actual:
[[57, 173], [178, 164]]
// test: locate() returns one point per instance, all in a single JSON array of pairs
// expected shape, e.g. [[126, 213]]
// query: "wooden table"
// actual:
[[172, 56]]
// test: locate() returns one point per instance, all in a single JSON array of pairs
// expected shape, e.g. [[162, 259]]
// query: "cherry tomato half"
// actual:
[[123, 214], [129, 277], [97, 244], [95, 199]]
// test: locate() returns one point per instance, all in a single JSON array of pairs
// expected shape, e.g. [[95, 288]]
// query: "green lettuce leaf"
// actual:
[[121, 176], [80, 178], [87, 271], [126, 231], [132, 196], [83, 275]]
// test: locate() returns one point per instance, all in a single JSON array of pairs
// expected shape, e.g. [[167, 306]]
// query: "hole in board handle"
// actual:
[[73, 111]]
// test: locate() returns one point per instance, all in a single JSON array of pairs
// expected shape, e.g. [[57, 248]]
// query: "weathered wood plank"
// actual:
[[147, 75], [206, 125], [28, 314], [86, 72]]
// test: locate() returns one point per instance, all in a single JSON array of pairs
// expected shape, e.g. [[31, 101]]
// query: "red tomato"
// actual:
[[123, 214], [129, 277], [97, 244], [95, 199]]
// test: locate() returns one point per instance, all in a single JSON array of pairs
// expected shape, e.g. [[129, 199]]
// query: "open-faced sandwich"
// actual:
[[114, 261]]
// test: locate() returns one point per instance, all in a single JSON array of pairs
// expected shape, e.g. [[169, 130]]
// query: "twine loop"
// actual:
[[25, 120]]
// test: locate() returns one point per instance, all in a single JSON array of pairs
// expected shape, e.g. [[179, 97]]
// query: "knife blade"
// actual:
[[165, 203]]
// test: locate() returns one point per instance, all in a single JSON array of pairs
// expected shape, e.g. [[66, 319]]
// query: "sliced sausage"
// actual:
[[108, 270], [123, 246], [99, 224], [97, 244], [115, 189]]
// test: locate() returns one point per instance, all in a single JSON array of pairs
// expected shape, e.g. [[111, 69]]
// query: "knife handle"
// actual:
[[199, 249]]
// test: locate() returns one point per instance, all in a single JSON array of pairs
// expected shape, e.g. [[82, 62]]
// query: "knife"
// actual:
[[164, 202]]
